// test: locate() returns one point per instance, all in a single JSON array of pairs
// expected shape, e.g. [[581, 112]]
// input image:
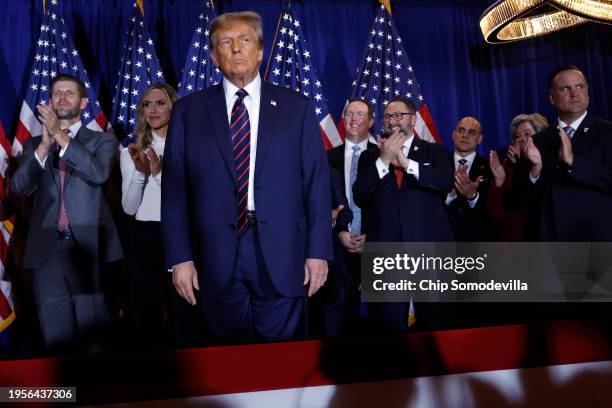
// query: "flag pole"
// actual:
[[387, 4], [274, 41]]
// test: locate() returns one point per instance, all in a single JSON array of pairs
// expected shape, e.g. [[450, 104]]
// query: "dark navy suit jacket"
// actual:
[[574, 204], [413, 212], [291, 189], [472, 224]]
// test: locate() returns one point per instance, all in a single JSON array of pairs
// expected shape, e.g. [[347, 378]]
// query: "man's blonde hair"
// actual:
[[249, 18]]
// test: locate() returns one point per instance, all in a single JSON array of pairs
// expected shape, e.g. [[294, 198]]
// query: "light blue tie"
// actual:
[[355, 226], [570, 131]]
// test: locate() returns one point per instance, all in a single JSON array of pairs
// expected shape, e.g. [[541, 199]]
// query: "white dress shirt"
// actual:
[[413, 167], [252, 102], [575, 124], [141, 195]]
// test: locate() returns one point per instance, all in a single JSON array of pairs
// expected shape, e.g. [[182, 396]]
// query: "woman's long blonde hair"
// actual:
[[144, 136]]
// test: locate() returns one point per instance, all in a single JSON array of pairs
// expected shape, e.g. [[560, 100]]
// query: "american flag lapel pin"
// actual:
[[586, 130], [273, 102], [416, 148]]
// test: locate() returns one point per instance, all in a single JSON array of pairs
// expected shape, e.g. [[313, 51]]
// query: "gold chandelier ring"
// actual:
[[511, 20]]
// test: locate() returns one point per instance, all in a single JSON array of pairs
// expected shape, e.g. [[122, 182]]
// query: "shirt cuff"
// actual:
[[450, 198], [473, 202], [158, 178], [382, 169], [413, 168], [41, 162], [182, 263], [63, 149]]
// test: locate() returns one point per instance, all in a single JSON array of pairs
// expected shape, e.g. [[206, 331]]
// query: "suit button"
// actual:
[[233, 227]]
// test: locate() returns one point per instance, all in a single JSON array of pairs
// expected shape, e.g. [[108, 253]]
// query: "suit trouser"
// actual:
[[68, 300], [326, 307], [251, 309]]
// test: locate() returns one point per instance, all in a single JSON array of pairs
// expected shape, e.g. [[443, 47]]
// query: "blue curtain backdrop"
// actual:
[[459, 73]]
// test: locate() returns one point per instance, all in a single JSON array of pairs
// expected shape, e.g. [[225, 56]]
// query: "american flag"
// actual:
[[7, 310], [55, 54], [386, 73], [139, 69], [291, 66], [199, 71]]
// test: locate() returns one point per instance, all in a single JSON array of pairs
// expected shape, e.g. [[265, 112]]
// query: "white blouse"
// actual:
[[141, 195]]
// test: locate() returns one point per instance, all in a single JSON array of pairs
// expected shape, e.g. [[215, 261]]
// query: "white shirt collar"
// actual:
[[408, 145], [348, 145], [253, 88], [470, 159], [575, 124], [74, 128]]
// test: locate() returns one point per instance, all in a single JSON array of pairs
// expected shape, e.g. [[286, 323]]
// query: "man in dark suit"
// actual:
[[466, 204], [400, 191], [71, 228], [326, 308], [246, 196], [358, 119], [570, 173]]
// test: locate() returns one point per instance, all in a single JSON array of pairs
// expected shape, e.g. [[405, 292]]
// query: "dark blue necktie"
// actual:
[[240, 129]]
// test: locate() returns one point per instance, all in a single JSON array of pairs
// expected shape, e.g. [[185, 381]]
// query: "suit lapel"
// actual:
[[477, 168], [268, 112], [582, 137], [52, 164], [82, 137], [416, 151], [216, 106]]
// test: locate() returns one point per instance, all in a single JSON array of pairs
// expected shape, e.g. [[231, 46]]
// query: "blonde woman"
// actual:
[[141, 170]]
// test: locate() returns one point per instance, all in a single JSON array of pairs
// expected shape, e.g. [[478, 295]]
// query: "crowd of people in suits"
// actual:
[[231, 240]]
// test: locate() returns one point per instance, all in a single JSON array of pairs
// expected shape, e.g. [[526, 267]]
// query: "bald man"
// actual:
[[466, 203]]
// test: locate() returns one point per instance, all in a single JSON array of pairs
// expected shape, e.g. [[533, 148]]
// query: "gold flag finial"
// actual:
[[44, 6], [387, 4], [140, 6]]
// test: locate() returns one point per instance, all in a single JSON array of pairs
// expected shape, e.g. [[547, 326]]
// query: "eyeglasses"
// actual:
[[396, 115], [359, 115]]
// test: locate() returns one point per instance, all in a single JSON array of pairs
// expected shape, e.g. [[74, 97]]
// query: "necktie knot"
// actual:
[[462, 162], [569, 130], [241, 93], [356, 149]]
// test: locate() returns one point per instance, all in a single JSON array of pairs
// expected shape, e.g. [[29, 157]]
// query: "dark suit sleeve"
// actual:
[[315, 184], [339, 198], [436, 175], [28, 173], [592, 173], [93, 166], [174, 199], [367, 181]]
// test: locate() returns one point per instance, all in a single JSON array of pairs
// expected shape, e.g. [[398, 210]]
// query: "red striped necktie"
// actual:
[[240, 129], [63, 223]]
